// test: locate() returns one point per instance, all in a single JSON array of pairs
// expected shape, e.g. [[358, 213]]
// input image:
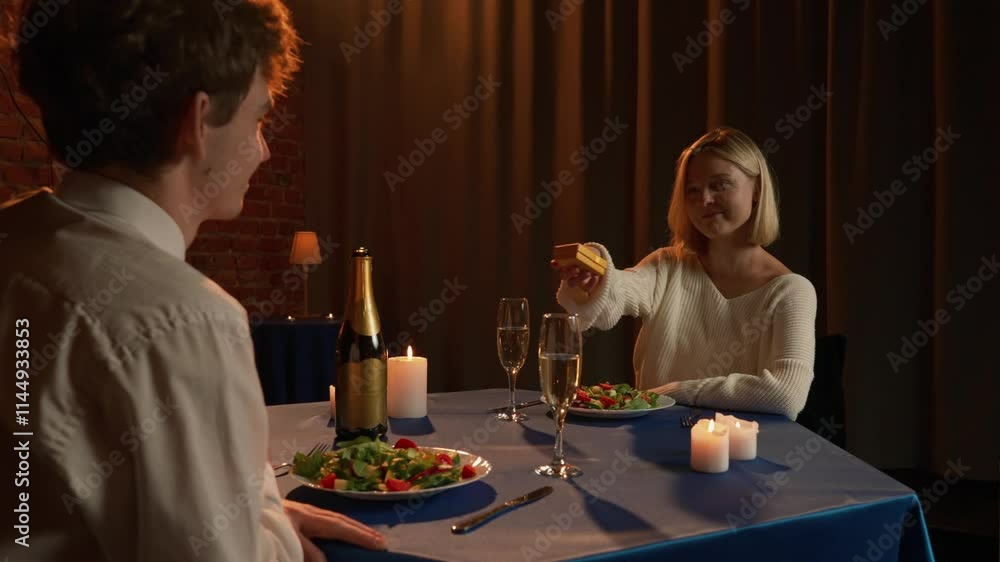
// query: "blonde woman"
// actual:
[[724, 323]]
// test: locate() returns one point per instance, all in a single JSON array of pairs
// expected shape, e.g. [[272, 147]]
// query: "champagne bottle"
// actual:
[[362, 359]]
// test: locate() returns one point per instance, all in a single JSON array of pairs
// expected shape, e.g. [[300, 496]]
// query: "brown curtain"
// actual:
[[665, 72]]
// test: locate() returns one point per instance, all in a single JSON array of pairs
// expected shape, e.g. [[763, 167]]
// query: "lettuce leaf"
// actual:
[[637, 404], [308, 466]]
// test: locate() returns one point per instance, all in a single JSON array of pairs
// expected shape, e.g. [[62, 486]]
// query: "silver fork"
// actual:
[[318, 449], [690, 420]]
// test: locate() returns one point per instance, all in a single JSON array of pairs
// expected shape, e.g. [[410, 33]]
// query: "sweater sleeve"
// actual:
[[782, 385], [629, 292]]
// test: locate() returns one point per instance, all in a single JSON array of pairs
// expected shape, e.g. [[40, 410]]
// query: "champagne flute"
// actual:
[[560, 345], [512, 347]]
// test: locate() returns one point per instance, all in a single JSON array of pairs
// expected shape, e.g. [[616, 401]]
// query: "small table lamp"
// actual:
[[305, 251]]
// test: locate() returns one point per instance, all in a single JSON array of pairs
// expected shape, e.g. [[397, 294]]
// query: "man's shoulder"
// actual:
[[117, 279]]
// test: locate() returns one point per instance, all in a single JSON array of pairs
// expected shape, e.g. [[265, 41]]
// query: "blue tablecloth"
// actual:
[[295, 359], [802, 499]]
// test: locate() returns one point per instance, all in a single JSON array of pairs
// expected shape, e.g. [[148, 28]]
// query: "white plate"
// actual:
[[482, 466], [664, 403]]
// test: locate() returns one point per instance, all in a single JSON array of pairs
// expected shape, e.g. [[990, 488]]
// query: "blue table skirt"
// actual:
[[830, 505], [295, 359]]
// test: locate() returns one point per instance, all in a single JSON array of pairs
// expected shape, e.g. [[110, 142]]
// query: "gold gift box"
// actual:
[[584, 257]]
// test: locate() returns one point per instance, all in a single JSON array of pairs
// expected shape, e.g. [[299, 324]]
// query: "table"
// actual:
[[803, 498], [295, 358]]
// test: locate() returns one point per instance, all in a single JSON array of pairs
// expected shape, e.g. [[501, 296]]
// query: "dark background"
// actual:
[[894, 84]]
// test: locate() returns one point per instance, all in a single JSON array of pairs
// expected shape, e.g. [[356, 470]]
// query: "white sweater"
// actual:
[[753, 352]]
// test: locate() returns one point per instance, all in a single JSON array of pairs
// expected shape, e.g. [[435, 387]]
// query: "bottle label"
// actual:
[[363, 402]]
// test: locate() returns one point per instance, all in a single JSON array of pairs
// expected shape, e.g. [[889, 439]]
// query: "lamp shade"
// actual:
[[305, 248]]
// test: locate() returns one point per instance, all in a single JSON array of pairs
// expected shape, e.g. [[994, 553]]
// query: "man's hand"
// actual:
[[311, 522]]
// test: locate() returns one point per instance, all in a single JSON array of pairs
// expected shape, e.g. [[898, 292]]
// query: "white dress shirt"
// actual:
[[148, 421]]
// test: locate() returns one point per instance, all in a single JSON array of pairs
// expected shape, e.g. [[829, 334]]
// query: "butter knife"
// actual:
[[519, 406], [476, 521]]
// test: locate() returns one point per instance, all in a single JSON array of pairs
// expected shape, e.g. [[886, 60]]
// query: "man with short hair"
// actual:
[[144, 421]]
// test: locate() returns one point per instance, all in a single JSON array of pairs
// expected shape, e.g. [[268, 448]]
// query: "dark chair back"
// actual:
[[826, 395]]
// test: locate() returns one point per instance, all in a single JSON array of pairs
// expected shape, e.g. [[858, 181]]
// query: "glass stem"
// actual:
[[557, 453], [511, 378]]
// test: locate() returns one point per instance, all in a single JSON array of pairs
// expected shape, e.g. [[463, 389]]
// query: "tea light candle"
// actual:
[[407, 386], [333, 402], [709, 447], [742, 437]]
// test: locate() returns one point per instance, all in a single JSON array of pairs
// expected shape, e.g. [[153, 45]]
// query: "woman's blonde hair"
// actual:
[[736, 147]]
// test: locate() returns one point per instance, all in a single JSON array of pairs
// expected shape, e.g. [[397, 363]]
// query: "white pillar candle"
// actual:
[[333, 402], [742, 437], [407, 386], [709, 447]]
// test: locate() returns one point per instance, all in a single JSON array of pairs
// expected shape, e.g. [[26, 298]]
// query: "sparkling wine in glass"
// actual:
[[512, 347], [560, 345]]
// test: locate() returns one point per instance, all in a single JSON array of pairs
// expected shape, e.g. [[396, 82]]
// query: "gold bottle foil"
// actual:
[[361, 298]]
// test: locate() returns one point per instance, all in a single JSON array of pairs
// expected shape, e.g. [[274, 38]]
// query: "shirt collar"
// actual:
[[118, 204]]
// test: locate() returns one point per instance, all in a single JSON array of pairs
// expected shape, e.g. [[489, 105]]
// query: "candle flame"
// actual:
[[737, 424], [711, 426], [409, 351]]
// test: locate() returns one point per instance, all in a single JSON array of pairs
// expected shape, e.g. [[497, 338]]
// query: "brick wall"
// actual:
[[247, 256], [24, 158]]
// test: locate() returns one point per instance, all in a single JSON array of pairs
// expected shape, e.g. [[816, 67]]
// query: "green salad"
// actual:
[[605, 396], [366, 465]]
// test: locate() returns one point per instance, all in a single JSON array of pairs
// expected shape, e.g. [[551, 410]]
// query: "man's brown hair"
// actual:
[[131, 66]]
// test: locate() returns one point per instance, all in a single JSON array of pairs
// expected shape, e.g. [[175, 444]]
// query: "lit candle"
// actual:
[[709, 447], [407, 386], [742, 437], [333, 402]]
